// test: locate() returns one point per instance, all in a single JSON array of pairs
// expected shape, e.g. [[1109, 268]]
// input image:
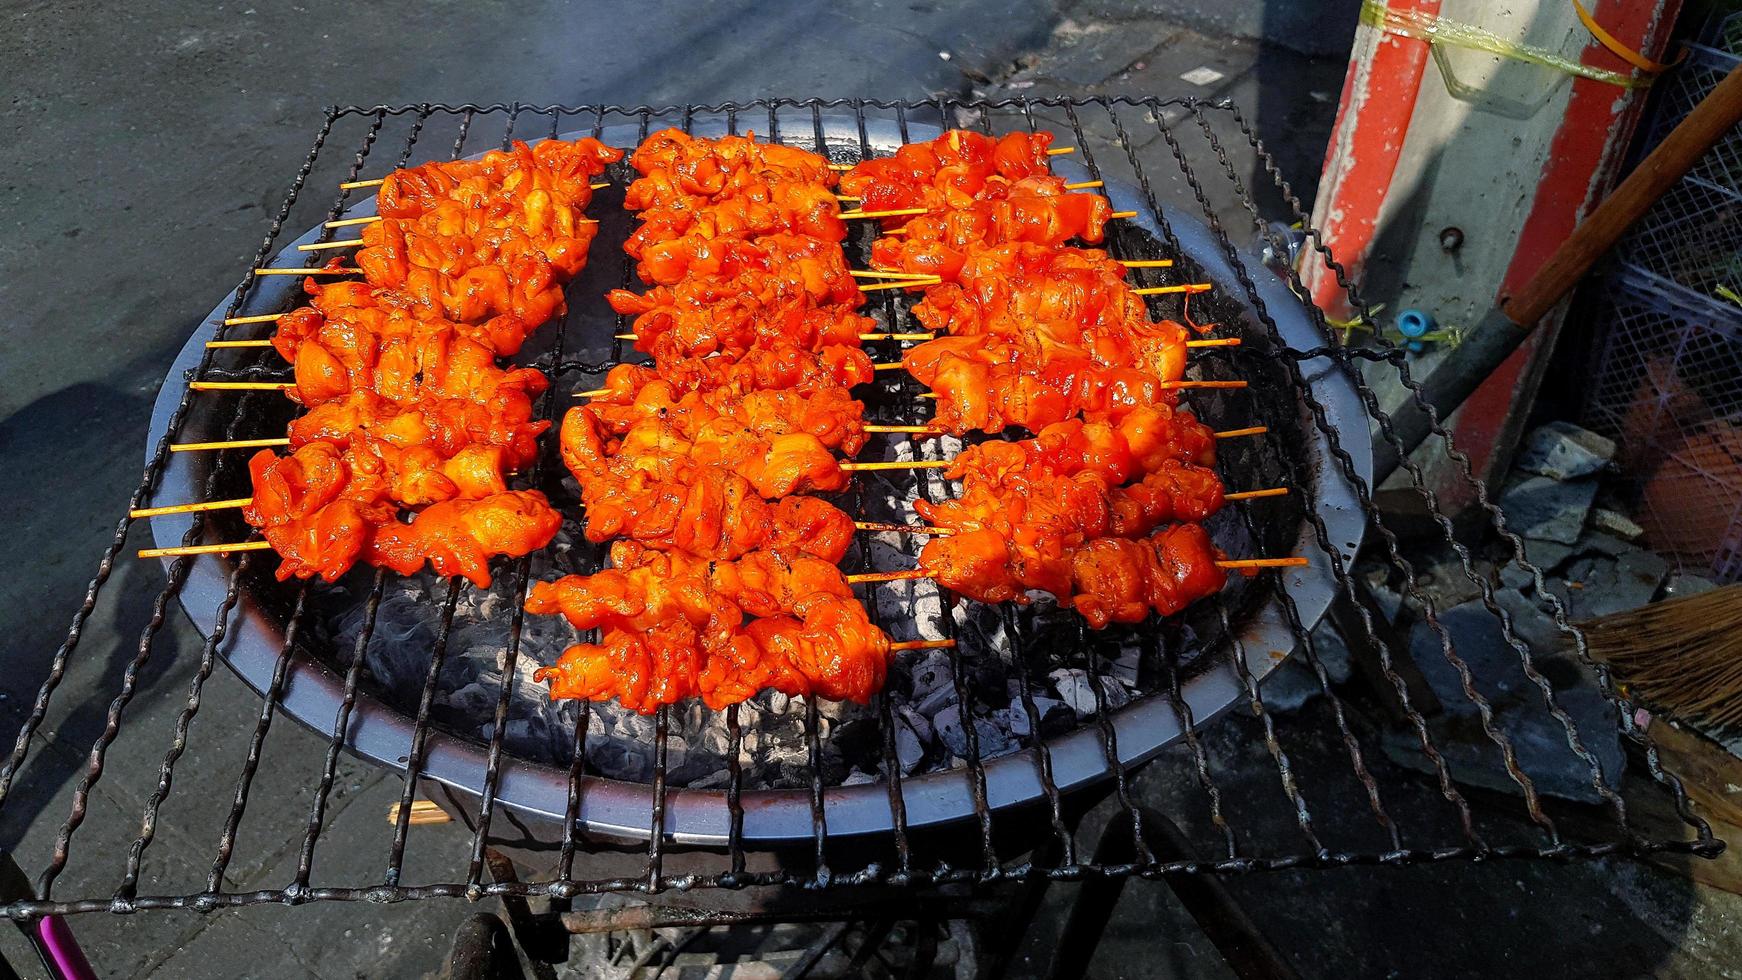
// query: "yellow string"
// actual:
[[1437, 30]]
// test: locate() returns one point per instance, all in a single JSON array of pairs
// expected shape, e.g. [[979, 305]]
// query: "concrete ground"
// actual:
[[146, 145]]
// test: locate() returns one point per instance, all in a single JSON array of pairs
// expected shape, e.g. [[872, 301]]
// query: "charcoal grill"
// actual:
[[1307, 388]]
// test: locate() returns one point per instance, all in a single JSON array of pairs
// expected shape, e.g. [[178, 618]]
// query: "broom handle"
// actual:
[[1715, 115]]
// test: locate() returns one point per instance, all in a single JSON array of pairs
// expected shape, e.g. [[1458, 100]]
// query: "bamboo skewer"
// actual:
[[216, 344], [190, 508], [183, 447], [902, 528], [1145, 263], [879, 274], [316, 246], [241, 385], [1059, 151], [923, 645], [1085, 184], [1190, 287], [895, 213], [1123, 214], [308, 272], [909, 574], [1255, 494], [262, 318], [901, 284], [348, 222], [351, 185], [204, 549], [898, 464]]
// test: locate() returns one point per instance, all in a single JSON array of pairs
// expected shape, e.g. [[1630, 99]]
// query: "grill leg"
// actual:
[[1223, 922], [483, 950]]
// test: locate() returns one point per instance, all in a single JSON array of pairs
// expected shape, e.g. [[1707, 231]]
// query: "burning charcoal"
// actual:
[[937, 700], [1072, 685], [1114, 692], [909, 748], [1126, 665], [948, 723], [1056, 717], [920, 724], [934, 673]]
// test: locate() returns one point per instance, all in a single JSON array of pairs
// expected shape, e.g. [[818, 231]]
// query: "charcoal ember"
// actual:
[[909, 746], [914, 719], [932, 674], [1056, 717], [1073, 687], [952, 732]]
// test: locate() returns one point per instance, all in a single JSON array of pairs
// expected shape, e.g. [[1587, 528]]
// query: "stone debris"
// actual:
[[1548, 509], [1616, 523], [1564, 451]]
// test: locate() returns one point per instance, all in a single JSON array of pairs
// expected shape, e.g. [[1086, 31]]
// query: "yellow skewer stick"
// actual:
[[351, 185], [1190, 287], [1256, 430], [1255, 494], [317, 246], [924, 429], [1123, 214], [916, 464], [1215, 342], [1264, 563], [896, 213], [1082, 185], [241, 385], [1145, 263], [911, 573], [1203, 384], [215, 344], [190, 508], [1059, 151], [347, 222], [262, 318], [903, 528], [879, 274], [308, 272], [184, 447], [900, 284], [923, 645], [205, 549]]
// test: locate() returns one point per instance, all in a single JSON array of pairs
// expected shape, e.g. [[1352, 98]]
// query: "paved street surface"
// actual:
[[147, 145]]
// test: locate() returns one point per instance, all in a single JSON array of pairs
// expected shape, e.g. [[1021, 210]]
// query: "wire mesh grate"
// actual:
[[1014, 665]]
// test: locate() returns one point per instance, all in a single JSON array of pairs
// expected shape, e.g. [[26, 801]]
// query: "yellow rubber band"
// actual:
[[1620, 50]]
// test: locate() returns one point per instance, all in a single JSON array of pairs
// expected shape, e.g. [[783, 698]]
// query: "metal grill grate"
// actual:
[[1135, 144]]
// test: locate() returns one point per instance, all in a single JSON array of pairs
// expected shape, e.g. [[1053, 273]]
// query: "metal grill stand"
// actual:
[[861, 834]]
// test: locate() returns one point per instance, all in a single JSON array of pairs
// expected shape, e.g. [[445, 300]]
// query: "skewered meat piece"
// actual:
[[1043, 498], [388, 315], [459, 537], [708, 511], [782, 286], [670, 236], [1106, 579], [321, 508], [828, 413], [480, 238], [776, 466], [947, 172], [1056, 296], [774, 366], [677, 166], [987, 385], [1034, 211], [674, 628]]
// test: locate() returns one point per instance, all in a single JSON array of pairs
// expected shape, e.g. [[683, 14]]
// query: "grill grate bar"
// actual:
[[251, 763], [420, 732]]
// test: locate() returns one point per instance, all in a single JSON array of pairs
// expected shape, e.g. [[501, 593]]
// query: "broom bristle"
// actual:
[[1682, 656]]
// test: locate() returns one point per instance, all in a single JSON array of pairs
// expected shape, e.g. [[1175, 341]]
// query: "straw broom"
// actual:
[[1683, 656]]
